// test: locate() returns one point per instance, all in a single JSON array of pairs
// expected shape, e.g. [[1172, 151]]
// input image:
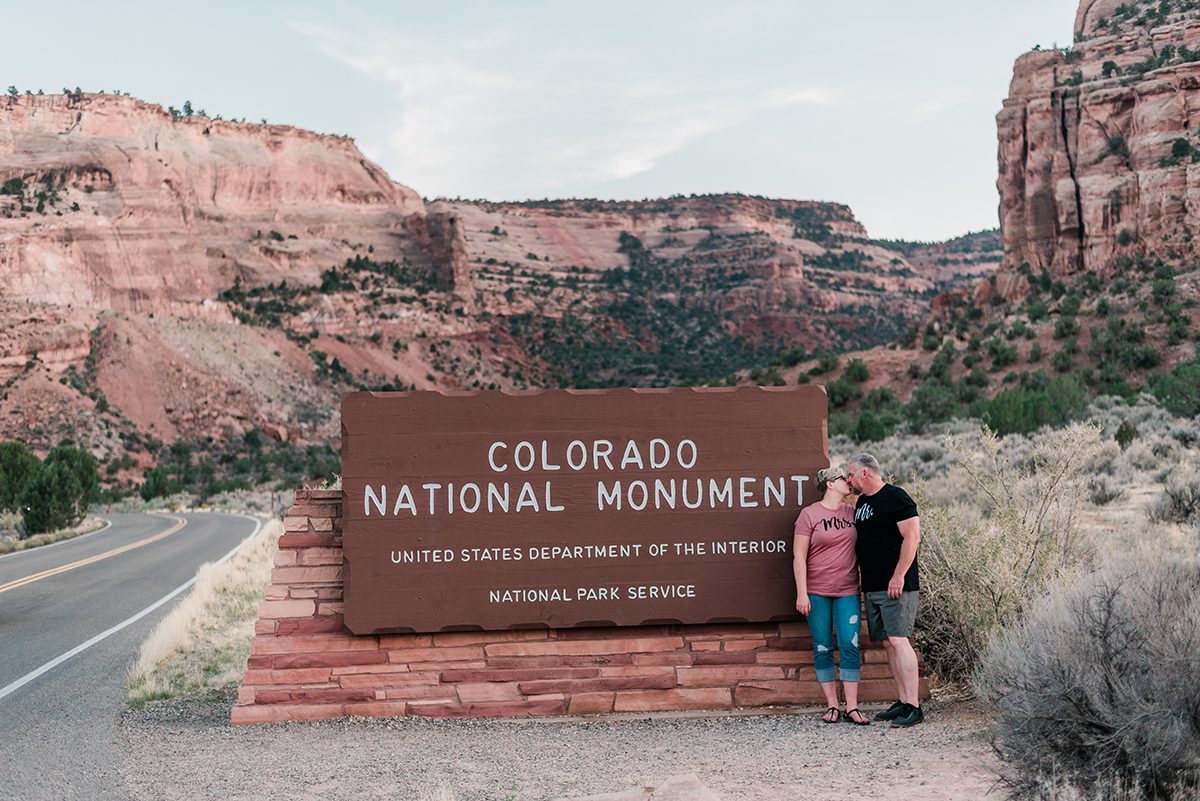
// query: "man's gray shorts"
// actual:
[[891, 617]]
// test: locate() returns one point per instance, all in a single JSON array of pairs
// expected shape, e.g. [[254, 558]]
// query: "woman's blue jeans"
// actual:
[[826, 615]]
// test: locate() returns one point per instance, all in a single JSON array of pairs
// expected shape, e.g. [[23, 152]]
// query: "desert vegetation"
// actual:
[[204, 642], [1059, 579], [39, 496]]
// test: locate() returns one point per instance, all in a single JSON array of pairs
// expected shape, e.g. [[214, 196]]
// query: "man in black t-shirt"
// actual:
[[889, 532]]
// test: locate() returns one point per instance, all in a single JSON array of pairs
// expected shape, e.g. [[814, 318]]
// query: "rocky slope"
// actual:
[[179, 278]]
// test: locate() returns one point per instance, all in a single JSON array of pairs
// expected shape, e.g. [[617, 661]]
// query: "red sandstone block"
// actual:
[[626, 670], [790, 643], [325, 695], [468, 664], [302, 592], [297, 524], [597, 685], [590, 704], [326, 574], [331, 659], [331, 608], [298, 676], [315, 643], [730, 631], [321, 524], [523, 662], [425, 692], [286, 558], [676, 658], [264, 627], [330, 593], [538, 699], [372, 709], [724, 658], [705, 645], [591, 661], [325, 495], [392, 641], [353, 670], [885, 689], [245, 695], [784, 657], [485, 692], [479, 637], [794, 628], [614, 632], [534, 674], [276, 592], [663, 700], [578, 647], [313, 510], [730, 675], [761, 693], [314, 625], [385, 680], [278, 609], [514, 709], [319, 556], [306, 540], [411, 655], [284, 712], [745, 645], [258, 662]]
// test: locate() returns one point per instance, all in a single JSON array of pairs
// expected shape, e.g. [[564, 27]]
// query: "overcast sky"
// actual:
[[888, 107]]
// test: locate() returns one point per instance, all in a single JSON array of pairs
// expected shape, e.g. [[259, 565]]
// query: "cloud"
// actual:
[[475, 118]]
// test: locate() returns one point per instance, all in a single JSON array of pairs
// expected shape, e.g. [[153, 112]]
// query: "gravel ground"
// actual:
[[187, 750]]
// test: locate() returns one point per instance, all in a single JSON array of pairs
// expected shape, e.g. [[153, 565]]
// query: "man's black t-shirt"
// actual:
[[879, 539]]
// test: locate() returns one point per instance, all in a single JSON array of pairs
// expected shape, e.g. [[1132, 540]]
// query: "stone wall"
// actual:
[[305, 665]]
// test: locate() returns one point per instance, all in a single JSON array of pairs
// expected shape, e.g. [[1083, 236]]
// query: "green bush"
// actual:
[[841, 392], [1025, 409], [870, 428], [857, 371], [1095, 690], [1179, 390], [59, 493], [17, 467]]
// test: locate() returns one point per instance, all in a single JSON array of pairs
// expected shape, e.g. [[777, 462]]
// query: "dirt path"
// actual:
[[187, 750]]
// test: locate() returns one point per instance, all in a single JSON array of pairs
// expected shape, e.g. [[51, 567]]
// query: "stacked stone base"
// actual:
[[304, 664]]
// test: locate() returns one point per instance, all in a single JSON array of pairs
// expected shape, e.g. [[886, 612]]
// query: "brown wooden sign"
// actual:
[[499, 510]]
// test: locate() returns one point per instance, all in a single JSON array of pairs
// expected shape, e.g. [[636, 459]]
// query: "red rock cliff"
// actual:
[[114, 203], [1098, 145]]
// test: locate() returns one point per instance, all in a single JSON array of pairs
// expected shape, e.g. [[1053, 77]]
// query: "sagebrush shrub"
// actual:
[[1102, 490], [1096, 687], [984, 558], [1180, 499]]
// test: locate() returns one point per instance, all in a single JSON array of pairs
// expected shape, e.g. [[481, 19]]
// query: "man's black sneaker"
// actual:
[[911, 717], [892, 712]]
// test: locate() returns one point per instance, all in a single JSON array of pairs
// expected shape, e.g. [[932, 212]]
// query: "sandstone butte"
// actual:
[[183, 277], [1097, 144]]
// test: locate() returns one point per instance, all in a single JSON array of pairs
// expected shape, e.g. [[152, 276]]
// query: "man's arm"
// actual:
[[910, 530]]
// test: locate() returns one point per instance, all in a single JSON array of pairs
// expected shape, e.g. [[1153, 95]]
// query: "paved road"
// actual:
[[58, 730]]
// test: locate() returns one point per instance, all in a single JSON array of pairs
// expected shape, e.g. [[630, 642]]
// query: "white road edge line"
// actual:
[[43, 548], [78, 649]]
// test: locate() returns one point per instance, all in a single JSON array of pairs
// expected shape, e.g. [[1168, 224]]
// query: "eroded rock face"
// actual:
[[1098, 149], [170, 278], [114, 203]]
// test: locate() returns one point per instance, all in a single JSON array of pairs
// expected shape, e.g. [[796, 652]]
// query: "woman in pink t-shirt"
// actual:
[[827, 589]]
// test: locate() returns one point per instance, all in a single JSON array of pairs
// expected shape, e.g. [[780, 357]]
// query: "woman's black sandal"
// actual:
[[837, 715], [850, 717]]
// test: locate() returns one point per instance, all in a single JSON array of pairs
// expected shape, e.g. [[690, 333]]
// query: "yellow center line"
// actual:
[[54, 571]]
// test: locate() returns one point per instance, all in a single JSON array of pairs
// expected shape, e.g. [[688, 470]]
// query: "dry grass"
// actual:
[[10, 543], [203, 643]]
